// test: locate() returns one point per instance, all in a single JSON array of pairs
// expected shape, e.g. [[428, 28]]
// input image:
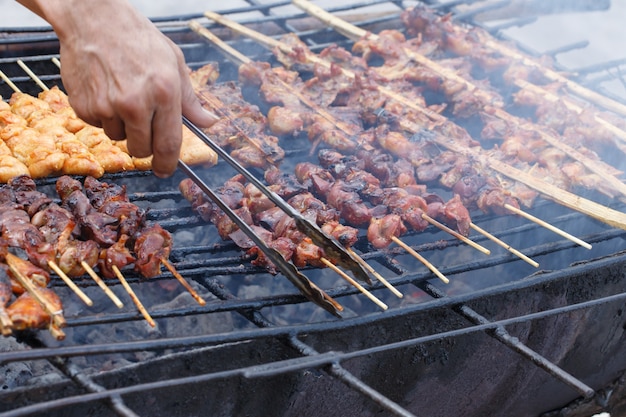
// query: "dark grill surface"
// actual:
[[503, 338]]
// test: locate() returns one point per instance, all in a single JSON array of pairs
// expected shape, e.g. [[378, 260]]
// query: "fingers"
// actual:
[[166, 139], [191, 107], [114, 128], [139, 136]]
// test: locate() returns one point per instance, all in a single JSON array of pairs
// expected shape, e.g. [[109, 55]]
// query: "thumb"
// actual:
[[192, 108]]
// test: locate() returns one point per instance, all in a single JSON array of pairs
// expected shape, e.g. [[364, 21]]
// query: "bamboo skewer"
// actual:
[[455, 234], [504, 245], [133, 296], [8, 81], [376, 274], [103, 286], [548, 95], [6, 324], [183, 281], [355, 284], [423, 260], [68, 281], [32, 75], [548, 226], [55, 315]]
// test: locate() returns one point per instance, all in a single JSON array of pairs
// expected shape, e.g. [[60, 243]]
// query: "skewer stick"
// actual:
[[455, 234], [183, 281], [6, 324], [56, 62], [571, 105], [548, 226], [56, 315], [376, 274], [56, 332], [103, 286], [573, 86], [504, 245], [133, 296], [9, 82], [68, 281], [229, 51], [420, 258], [354, 283], [32, 75]]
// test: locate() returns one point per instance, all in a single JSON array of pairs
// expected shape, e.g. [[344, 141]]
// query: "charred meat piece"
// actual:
[[151, 246], [117, 254], [94, 225], [27, 313], [381, 230], [349, 204]]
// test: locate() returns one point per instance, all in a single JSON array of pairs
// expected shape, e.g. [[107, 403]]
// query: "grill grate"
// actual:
[[310, 349]]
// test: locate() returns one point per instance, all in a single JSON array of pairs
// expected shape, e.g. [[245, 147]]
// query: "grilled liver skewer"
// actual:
[[293, 244]]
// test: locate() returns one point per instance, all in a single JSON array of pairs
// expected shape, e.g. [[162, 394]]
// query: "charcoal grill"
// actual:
[[501, 339]]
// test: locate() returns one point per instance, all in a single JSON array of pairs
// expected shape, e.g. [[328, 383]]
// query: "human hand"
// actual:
[[125, 76]]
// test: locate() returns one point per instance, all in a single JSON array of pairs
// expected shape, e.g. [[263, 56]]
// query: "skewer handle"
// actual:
[[456, 234], [420, 258], [504, 245], [70, 283], [379, 277], [355, 284], [548, 226], [133, 296], [183, 281], [103, 286]]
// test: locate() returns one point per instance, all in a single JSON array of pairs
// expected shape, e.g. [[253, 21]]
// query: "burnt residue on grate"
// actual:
[[501, 339]]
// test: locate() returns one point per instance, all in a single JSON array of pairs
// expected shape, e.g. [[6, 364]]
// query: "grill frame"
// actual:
[[303, 356]]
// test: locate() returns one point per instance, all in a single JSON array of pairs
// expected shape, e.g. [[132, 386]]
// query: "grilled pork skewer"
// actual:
[[470, 99], [287, 49], [598, 211], [464, 38], [369, 167]]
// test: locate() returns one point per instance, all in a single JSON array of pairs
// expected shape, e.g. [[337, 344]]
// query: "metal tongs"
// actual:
[[331, 247]]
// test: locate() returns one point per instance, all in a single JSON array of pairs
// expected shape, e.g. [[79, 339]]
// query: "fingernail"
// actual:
[[210, 114]]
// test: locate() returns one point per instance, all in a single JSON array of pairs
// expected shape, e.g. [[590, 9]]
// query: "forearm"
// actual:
[[69, 17]]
